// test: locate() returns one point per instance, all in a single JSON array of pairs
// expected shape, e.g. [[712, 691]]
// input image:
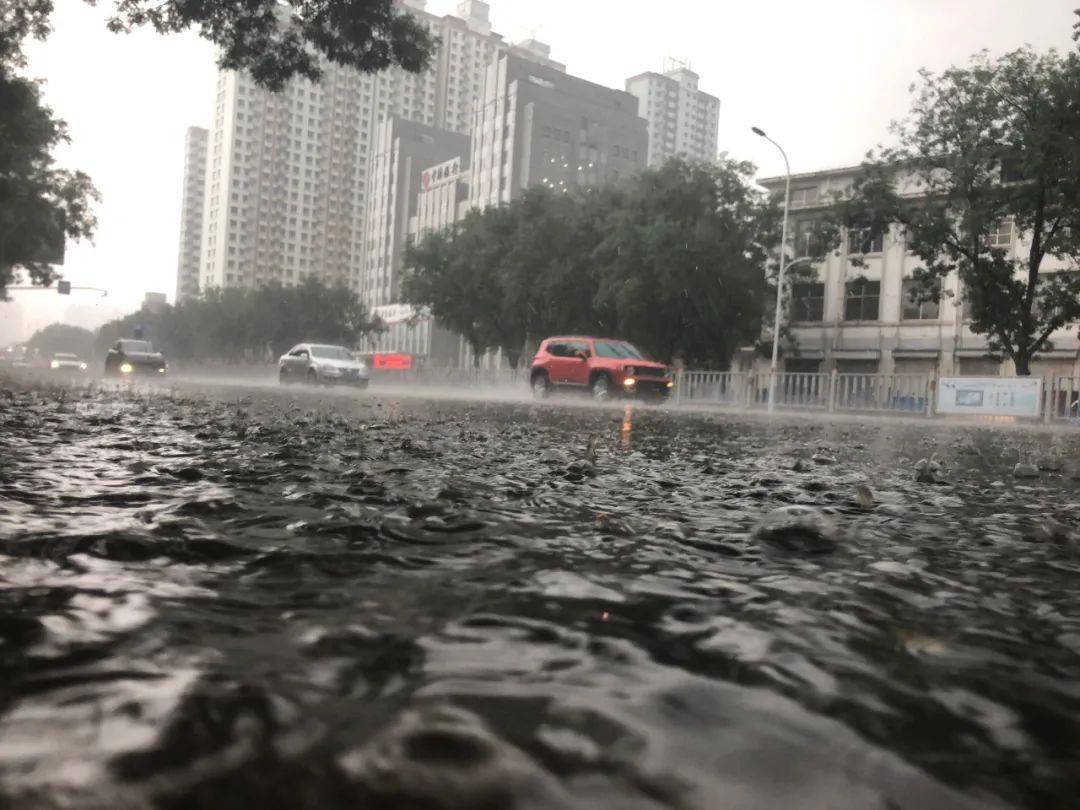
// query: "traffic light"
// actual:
[[63, 287]]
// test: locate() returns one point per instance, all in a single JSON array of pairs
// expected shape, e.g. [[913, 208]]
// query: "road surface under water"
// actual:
[[230, 597]]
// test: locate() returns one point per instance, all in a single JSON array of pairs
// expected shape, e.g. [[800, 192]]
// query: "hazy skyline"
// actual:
[[824, 79]]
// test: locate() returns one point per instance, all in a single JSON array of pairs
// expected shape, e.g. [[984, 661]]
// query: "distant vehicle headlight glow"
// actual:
[[126, 368], [629, 382], [671, 384], [82, 366], [54, 364]]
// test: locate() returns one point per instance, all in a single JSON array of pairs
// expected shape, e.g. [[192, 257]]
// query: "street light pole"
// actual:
[[780, 271]]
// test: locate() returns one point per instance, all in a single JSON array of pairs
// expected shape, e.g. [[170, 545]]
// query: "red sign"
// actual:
[[393, 361]]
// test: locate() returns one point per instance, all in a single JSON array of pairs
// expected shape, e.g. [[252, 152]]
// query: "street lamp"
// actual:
[[780, 275]]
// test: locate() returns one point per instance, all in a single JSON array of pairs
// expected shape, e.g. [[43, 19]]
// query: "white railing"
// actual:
[[797, 390], [897, 393], [1062, 399], [910, 394], [715, 387], [466, 377]]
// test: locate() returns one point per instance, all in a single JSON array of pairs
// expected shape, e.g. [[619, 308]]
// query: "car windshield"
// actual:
[[143, 346], [331, 353], [65, 356], [617, 349]]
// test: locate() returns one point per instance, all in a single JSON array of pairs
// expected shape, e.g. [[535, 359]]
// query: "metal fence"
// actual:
[[718, 387], [909, 394], [1062, 400], [901, 393], [466, 377]]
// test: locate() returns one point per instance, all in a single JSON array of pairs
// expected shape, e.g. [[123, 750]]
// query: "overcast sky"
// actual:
[[824, 78]]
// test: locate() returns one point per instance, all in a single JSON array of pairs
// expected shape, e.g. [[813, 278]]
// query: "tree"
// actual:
[[455, 274], [986, 150], [683, 260], [275, 41], [672, 259], [40, 205], [249, 325], [60, 337]]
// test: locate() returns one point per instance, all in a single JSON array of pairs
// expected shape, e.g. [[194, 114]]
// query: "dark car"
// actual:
[[67, 363], [128, 358], [604, 367]]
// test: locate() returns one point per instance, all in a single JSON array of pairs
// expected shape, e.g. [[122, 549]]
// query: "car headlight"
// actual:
[[82, 366], [54, 364], [161, 370], [671, 384], [126, 368], [629, 382]]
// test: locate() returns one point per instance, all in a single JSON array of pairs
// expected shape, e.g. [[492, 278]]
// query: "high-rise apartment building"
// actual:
[[403, 152], [191, 213], [682, 119], [540, 126], [287, 173]]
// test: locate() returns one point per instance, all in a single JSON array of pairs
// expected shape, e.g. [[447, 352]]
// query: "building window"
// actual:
[[912, 307], [804, 196], [1002, 235], [808, 302], [861, 300], [865, 240]]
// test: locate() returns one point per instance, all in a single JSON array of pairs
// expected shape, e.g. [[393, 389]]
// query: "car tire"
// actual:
[[541, 386], [312, 377], [601, 388]]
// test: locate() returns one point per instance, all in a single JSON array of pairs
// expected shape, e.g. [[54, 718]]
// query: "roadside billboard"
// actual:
[[397, 362], [990, 396]]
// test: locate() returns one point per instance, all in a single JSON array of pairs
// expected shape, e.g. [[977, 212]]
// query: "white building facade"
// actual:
[[862, 319], [191, 213], [682, 119]]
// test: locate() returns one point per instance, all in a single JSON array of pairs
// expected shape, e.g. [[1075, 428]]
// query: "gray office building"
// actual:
[[402, 151], [540, 126]]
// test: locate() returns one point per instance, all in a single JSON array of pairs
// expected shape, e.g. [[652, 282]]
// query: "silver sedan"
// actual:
[[321, 364]]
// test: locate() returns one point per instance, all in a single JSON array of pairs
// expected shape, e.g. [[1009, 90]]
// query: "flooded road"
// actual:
[[229, 597]]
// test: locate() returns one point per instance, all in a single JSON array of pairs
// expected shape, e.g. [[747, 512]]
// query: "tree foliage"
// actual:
[[248, 325], [276, 41], [40, 204], [61, 337], [995, 142], [671, 259]]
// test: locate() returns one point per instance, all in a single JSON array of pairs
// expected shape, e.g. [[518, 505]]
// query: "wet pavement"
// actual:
[[238, 597]]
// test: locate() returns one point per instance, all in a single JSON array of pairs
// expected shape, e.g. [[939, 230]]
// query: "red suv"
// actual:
[[603, 366]]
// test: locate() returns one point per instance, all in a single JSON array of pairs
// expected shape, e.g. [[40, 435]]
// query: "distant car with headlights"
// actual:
[[603, 367], [322, 364], [130, 358], [67, 363]]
